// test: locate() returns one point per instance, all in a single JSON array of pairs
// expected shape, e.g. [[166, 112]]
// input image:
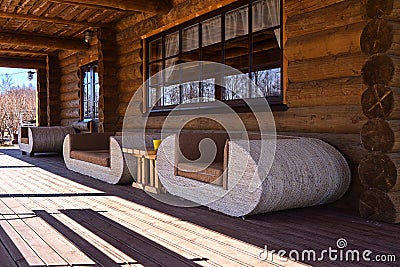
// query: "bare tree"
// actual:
[[16, 104]]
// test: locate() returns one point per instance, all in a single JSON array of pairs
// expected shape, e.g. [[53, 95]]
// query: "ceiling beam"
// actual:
[[47, 19], [25, 63], [42, 41], [152, 6], [23, 52]]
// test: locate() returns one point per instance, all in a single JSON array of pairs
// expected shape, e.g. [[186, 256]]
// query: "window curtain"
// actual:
[[171, 44], [190, 38], [267, 14], [236, 23], [211, 30]]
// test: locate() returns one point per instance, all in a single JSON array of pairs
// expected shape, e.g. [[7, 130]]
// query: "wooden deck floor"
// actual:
[[50, 216]]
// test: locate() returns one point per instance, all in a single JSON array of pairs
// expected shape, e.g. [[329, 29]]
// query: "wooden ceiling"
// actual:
[[35, 28]]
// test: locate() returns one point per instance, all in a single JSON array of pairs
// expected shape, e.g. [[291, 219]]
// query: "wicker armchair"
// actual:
[[304, 172], [47, 139]]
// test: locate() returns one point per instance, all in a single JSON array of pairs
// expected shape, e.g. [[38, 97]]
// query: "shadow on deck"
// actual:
[[317, 228]]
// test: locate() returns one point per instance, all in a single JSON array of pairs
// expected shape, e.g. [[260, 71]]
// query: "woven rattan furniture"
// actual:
[[304, 172], [98, 155], [48, 139], [33, 140]]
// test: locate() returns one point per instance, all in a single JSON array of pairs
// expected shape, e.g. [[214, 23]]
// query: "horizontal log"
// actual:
[[72, 59], [382, 69], [74, 104], [131, 20], [139, 29], [380, 101], [70, 68], [326, 68], [42, 41], [130, 72], [125, 46], [130, 85], [152, 6], [70, 77], [342, 40], [65, 97], [70, 87], [56, 20], [17, 62], [387, 9], [381, 171], [333, 16], [324, 119], [130, 58], [331, 92], [296, 7], [67, 122], [381, 135], [377, 205], [70, 113]]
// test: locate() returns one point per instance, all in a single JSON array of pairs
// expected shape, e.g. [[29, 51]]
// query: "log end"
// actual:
[[376, 135], [377, 37], [379, 69], [378, 171], [376, 205], [377, 102]]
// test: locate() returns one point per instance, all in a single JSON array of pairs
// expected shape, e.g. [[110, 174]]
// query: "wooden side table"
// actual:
[[147, 177]]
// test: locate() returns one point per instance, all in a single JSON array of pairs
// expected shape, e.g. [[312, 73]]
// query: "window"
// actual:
[[244, 35], [90, 92]]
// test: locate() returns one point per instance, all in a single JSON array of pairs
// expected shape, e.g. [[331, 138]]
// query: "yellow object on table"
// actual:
[[156, 143]]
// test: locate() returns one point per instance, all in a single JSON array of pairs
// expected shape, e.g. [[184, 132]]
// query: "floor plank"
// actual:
[[84, 222]]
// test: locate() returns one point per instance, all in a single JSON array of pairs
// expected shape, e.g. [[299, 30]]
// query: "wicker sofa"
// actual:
[[48, 139], [98, 155], [301, 172]]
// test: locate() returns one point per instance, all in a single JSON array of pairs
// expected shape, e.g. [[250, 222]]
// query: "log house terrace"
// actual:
[[329, 69]]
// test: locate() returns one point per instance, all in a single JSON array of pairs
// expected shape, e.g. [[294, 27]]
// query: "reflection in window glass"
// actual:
[[190, 92], [171, 95], [211, 31], [155, 49], [190, 38], [236, 87], [250, 45], [208, 90], [236, 23], [268, 81]]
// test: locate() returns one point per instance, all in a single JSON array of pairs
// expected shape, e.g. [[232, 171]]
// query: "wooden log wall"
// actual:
[[108, 100], [70, 81], [324, 64], [42, 112], [53, 90], [380, 170]]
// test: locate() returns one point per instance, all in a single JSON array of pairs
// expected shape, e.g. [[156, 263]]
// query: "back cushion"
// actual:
[[188, 143]]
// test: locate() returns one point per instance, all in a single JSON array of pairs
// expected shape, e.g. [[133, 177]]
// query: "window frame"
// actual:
[[276, 102], [93, 83]]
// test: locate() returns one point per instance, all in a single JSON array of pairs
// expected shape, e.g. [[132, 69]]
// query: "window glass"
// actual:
[[155, 49], [251, 45], [90, 91]]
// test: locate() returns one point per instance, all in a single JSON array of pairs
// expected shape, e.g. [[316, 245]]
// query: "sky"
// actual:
[[19, 76]]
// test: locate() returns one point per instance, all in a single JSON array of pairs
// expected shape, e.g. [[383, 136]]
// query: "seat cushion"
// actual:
[[24, 140], [200, 172], [98, 157]]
